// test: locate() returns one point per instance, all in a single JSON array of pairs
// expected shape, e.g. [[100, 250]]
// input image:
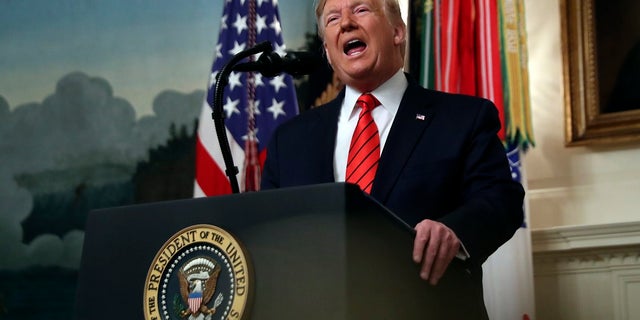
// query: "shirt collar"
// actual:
[[389, 94]]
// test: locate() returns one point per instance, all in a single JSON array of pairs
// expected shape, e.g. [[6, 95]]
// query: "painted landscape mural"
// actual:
[[99, 102]]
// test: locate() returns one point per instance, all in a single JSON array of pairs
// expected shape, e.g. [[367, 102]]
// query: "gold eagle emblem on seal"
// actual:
[[193, 266]]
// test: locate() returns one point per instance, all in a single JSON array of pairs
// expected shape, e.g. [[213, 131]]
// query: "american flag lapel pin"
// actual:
[[420, 117]]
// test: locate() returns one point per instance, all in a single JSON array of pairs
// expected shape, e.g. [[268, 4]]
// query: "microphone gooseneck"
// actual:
[[271, 64], [222, 79]]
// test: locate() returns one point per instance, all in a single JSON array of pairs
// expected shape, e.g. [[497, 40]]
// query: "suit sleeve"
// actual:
[[270, 171], [491, 209]]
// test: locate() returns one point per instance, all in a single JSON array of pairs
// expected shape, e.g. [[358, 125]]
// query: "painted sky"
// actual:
[[141, 47], [133, 54]]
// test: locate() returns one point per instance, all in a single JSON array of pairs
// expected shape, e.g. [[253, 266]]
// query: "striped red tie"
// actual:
[[364, 151]]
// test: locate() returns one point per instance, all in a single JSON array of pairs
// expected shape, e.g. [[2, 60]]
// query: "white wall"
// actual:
[[577, 185], [583, 201]]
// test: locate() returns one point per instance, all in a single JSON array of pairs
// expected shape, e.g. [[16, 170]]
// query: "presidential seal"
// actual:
[[200, 273]]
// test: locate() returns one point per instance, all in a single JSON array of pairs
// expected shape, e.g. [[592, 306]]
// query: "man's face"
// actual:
[[361, 44]]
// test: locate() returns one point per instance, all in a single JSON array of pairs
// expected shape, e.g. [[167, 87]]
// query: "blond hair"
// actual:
[[391, 11]]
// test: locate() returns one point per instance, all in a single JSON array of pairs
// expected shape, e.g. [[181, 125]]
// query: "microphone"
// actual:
[[271, 64]]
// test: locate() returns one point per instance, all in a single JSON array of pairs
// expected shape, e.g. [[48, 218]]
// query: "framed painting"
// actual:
[[601, 59]]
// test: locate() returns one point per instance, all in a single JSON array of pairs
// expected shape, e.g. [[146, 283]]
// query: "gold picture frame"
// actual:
[[586, 123]]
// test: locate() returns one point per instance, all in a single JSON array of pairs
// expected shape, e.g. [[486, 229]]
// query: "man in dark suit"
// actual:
[[441, 166]]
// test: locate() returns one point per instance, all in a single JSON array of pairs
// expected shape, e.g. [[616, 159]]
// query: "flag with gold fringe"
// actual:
[[479, 48], [254, 106]]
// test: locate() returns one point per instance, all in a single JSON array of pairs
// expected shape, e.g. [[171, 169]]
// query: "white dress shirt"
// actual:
[[389, 94]]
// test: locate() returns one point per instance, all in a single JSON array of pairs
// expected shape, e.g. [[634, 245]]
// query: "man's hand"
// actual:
[[435, 246]]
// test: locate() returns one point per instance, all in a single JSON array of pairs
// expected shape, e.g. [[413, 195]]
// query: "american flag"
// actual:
[[253, 105]]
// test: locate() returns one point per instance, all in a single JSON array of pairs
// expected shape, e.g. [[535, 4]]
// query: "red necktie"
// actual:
[[364, 151]]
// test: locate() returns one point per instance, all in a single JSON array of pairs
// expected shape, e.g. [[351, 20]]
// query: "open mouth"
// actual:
[[354, 47]]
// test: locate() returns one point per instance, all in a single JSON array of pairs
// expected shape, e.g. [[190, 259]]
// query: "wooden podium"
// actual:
[[318, 252]]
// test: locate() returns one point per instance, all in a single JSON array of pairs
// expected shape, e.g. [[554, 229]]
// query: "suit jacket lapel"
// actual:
[[412, 119], [326, 141]]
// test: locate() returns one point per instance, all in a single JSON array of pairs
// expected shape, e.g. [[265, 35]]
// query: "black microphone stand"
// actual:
[[222, 79]]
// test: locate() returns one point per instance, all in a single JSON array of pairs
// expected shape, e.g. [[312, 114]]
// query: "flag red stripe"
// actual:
[[467, 51], [209, 176], [437, 16], [450, 21], [490, 59]]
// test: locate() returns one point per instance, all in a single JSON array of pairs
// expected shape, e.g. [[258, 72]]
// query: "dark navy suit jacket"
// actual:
[[442, 161]]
